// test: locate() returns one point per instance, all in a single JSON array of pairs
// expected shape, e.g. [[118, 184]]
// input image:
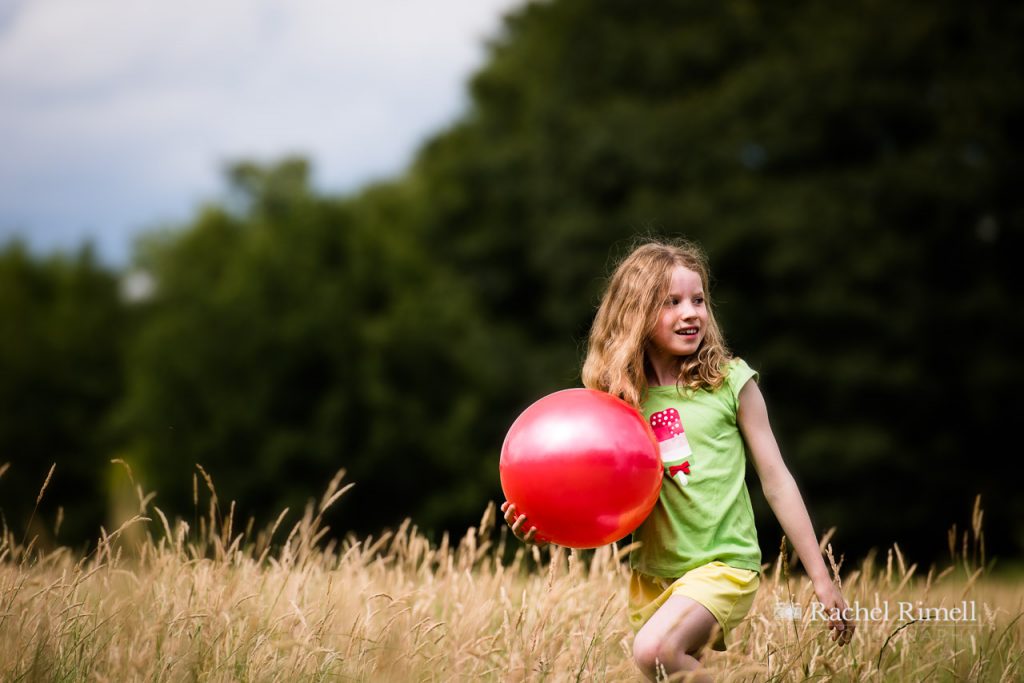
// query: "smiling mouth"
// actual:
[[687, 332]]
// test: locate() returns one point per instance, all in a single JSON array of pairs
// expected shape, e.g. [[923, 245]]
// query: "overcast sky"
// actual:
[[117, 115]]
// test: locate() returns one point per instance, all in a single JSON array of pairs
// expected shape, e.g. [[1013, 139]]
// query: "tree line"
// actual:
[[851, 172]]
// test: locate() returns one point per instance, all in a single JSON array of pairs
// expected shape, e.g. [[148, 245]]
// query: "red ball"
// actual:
[[583, 466]]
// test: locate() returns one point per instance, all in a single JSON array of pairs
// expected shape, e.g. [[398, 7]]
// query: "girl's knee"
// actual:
[[646, 652], [651, 651]]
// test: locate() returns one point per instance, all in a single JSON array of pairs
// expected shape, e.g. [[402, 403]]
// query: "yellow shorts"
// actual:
[[726, 591]]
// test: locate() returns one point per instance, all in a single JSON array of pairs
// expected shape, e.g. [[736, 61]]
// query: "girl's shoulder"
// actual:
[[737, 374], [737, 367]]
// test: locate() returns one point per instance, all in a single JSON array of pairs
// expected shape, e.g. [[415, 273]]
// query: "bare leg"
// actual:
[[674, 639]]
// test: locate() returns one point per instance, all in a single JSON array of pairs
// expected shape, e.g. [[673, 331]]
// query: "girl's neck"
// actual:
[[662, 369]]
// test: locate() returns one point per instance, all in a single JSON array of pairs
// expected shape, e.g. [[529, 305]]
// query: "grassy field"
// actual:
[[162, 602]]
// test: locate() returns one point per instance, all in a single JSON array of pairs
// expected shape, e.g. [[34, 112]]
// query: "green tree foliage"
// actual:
[[62, 329], [851, 171], [294, 335]]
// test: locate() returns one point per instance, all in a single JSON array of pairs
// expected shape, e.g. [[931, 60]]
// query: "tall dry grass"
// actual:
[[157, 601]]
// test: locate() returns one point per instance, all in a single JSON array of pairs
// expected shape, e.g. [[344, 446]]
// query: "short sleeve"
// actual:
[[739, 373]]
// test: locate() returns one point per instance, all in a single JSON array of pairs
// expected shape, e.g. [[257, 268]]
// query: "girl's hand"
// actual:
[[833, 601], [517, 524]]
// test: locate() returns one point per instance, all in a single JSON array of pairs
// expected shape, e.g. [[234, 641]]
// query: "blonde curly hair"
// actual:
[[616, 361]]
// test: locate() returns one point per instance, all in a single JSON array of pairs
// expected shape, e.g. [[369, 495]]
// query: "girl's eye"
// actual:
[[699, 300], [672, 301]]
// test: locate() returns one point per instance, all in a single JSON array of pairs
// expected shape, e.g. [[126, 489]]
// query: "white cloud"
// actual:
[[118, 113]]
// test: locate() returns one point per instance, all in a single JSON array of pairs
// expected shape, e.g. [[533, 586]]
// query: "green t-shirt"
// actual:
[[703, 513]]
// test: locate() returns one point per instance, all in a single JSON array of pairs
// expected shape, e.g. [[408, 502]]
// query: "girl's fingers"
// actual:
[[842, 630], [531, 537], [518, 527], [510, 512], [517, 522]]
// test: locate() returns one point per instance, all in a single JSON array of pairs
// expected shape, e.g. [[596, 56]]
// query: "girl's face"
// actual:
[[683, 317]]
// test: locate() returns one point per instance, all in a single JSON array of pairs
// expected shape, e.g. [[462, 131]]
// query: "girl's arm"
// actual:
[[784, 497]]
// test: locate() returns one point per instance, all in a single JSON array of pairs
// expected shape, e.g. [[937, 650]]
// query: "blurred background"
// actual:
[[277, 239]]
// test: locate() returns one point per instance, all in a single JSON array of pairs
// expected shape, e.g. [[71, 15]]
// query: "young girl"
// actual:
[[656, 345]]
